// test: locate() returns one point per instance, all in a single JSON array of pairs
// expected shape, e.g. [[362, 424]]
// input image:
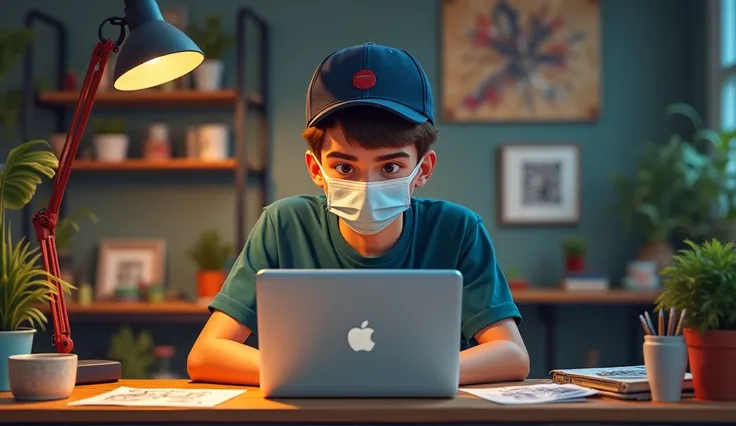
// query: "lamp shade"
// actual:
[[154, 53]]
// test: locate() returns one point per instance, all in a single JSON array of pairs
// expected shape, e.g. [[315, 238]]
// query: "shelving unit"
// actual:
[[241, 101]]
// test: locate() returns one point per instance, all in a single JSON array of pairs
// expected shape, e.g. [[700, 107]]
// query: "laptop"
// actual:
[[359, 333]]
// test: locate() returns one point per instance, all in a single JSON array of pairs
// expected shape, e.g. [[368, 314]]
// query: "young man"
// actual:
[[370, 126]]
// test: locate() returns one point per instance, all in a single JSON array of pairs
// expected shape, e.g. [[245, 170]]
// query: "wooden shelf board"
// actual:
[[530, 296], [149, 98], [136, 308], [593, 297], [153, 165]]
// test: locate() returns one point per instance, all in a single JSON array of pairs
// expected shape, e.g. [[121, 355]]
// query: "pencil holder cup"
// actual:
[[665, 359]]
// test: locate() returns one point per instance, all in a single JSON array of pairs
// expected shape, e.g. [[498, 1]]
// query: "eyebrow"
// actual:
[[348, 157]]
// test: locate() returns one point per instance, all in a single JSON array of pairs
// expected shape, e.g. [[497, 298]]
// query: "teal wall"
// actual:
[[652, 55]]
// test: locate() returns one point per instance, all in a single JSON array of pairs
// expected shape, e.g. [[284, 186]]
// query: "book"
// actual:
[[626, 379], [574, 282]]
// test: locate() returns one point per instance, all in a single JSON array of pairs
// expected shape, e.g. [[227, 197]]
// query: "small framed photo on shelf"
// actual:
[[539, 184], [125, 266]]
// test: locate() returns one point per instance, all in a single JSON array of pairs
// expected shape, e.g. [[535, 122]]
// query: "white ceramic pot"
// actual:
[[212, 141], [111, 147], [208, 76], [42, 377]]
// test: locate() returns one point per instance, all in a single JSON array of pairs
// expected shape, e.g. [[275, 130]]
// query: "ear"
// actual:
[[426, 169], [313, 168]]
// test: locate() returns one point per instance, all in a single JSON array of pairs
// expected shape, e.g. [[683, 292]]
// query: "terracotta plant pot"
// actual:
[[575, 264], [209, 283], [712, 357], [518, 284]]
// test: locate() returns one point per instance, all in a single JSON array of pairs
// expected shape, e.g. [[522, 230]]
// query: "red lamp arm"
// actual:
[[45, 220]]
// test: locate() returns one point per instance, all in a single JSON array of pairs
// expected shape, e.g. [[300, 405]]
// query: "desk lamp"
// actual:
[[155, 52]]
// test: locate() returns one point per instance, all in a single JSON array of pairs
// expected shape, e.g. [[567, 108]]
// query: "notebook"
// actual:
[[625, 380]]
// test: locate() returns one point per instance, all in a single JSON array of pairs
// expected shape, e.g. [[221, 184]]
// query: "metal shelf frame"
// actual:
[[243, 106]]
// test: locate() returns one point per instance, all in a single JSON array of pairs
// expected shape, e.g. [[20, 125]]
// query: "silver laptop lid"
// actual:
[[359, 332]]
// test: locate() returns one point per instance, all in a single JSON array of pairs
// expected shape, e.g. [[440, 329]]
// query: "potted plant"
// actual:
[[13, 44], [134, 352], [672, 192], [575, 249], [66, 228], [110, 141], [24, 284], [516, 282], [215, 43], [210, 253], [702, 283]]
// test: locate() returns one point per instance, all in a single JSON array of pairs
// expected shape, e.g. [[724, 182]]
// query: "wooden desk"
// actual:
[[252, 408], [547, 301]]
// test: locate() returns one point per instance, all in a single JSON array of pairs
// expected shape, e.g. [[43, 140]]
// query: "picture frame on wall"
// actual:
[[129, 264], [520, 61], [539, 184]]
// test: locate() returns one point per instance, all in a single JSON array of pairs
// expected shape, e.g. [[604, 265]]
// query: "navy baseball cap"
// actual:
[[370, 74]]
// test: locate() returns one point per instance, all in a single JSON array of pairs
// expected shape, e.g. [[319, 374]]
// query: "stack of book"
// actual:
[[629, 383], [585, 281]]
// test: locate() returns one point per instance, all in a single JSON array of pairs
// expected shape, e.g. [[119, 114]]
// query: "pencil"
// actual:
[[649, 322], [680, 323], [644, 325], [660, 322], [671, 322]]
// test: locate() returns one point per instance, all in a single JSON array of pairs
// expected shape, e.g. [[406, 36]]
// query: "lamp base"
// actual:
[[93, 371]]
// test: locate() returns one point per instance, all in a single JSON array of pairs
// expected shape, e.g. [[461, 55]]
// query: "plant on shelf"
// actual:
[[702, 282], [110, 141], [135, 353], [210, 253], [516, 282], [24, 284], [575, 250], [66, 229], [215, 43], [672, 193], [13, 44]]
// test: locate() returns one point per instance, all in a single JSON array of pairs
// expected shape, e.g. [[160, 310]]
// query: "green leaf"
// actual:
[[210, 252], [703, 281]]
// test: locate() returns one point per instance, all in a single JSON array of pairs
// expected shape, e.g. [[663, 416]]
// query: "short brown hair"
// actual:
[[370, 128]]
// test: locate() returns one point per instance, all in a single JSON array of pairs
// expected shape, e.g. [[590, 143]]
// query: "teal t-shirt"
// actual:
[[300, 233]]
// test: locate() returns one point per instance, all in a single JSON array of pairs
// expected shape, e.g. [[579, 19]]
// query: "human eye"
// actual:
[[343, 169], [391, 168]]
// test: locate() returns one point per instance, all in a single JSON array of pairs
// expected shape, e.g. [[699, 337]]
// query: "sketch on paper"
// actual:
[[162, 397], [542, 183], [532, 394], [618, 373]]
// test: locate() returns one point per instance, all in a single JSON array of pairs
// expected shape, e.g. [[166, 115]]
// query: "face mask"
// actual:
[[368, 207]]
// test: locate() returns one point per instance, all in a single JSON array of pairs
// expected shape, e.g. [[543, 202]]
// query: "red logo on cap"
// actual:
[[364, 79]]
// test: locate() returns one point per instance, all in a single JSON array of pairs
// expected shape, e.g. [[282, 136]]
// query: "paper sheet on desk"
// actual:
[[162, 397], [532, 394]]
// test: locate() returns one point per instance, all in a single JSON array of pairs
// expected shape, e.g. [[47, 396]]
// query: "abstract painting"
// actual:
[[521, 61], [539, 184]]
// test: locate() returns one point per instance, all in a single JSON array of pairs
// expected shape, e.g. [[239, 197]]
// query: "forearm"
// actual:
[[224, 361], [495, 361]]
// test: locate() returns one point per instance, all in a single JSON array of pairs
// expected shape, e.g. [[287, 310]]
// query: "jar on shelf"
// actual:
[[157, 145]]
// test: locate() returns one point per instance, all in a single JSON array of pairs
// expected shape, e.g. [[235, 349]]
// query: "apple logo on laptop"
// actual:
[[361, 338]]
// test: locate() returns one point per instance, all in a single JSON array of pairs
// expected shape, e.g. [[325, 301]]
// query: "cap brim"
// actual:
[[401, 110]]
